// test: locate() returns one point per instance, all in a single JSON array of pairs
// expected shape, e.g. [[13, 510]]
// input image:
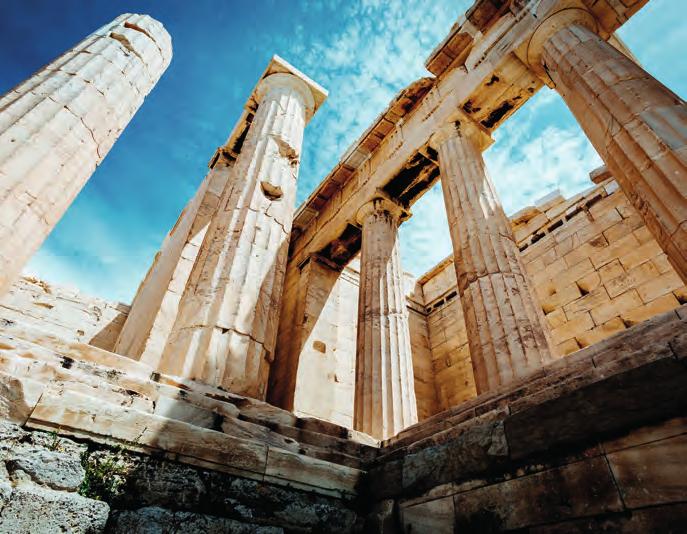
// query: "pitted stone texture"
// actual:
[[53, 469], [45, 459], [505, 327], [225, 332], [636, 124], [64, 312], [153, 483], [156, 304], [57, 126], [32, 509], [153, 520], [384, 387]]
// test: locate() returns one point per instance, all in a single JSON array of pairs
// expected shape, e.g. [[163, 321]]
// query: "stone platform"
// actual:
[[596, 438]]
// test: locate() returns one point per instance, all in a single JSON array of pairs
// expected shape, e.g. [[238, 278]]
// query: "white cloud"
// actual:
[[378, 49]]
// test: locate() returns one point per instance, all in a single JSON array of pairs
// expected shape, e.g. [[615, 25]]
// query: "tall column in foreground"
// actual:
[[225, 331], [384, 387], [504, 324], [57, 126], [636, 124]]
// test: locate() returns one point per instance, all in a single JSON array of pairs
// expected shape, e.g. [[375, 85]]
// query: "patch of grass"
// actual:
[[54, 444], [106, 475]]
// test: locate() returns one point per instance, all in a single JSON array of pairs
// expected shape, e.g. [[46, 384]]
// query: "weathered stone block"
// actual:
[[665, 519], [436, 516], [651, 474], [575, 490], [35, 510], [152, 520], [477, 448], [51, 468], [382, 519]]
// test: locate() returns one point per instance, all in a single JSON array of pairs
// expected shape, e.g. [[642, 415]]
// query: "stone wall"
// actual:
[[594, 266], [314, 369], [52, 484], [448, 340], [63, 312], [41, 478], [313, 372], [425, 392], [588, 443], [634, 483]]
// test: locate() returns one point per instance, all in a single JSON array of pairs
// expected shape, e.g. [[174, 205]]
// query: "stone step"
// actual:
[[90, 418], [568, 373], [252, 410], [24, 359], [43, 366]]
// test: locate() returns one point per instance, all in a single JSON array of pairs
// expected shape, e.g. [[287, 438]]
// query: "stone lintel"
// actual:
[[600, 174]]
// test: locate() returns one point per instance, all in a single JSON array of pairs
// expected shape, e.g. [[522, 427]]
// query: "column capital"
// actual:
[[280, 74], [461, 126], [382, 203], [289, 82], [547, 28]]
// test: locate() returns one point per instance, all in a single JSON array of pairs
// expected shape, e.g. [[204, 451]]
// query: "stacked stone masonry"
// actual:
[[66, 313]]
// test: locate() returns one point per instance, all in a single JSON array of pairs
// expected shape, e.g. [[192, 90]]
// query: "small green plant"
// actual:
[[105, 475], [54, 444]]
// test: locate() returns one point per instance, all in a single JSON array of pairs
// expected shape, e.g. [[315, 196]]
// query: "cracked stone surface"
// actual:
[[33, 509], [505, 327], [226, 327], [54, 469], [57, 126]]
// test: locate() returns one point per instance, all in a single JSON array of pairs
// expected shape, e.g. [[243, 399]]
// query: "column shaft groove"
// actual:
[[505, 327], [57, 126], [225, 331], [385, 400]]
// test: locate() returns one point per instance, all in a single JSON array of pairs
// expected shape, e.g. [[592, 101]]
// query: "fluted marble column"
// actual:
[[225, 331], [384, 387], [57, 126], [505, 329], [636, 124], [154, 308]]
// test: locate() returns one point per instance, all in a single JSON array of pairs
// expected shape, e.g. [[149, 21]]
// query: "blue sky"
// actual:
[[362, 51]]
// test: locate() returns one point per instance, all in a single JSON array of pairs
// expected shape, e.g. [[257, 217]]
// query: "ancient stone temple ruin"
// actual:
[[279, 371]]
